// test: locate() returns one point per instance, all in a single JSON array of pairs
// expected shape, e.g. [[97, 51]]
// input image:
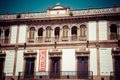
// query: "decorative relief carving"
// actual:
[[82, 52], [30, 54], [82, 49], [31, 51], [55, 53]]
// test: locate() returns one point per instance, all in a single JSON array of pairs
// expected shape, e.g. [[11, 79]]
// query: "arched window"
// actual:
[[113, 32], [40, 32], [83, 32], [74, 33], [74, 30], [65, 31], [57, 31], [32, 33], [7, 32], [48, 32]]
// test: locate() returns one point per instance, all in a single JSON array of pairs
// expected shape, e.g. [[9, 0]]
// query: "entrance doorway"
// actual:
[[82, 67], [55, 67], [117, 67], [1, 67], [29, 68]]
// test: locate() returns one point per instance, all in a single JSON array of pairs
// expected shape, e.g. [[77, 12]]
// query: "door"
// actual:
[[1, 67], [83, 67], [55, 67], [29, 68], [117, 68]]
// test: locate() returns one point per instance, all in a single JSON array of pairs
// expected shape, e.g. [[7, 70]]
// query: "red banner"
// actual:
[[42, 60]]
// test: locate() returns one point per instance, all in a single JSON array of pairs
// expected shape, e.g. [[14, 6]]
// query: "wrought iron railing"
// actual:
[[57, 39], [61, 75], [114, 75]]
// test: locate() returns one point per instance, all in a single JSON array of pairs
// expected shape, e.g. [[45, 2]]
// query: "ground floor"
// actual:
[[49, 64]]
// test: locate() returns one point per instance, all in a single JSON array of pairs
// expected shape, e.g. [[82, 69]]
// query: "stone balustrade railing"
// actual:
[[90, 11]]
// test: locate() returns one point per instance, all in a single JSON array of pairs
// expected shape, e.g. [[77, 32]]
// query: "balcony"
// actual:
[[57, 39], [61, 75], [5, 40], [113, 36], [114, 75]]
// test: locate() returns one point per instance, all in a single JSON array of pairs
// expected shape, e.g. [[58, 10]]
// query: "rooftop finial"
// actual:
[[57, 4]]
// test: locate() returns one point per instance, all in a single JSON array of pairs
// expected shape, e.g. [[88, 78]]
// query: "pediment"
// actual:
[[58, 7], [58, 10]]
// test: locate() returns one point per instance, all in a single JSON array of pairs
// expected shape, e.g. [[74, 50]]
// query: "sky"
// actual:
[[16, 6]]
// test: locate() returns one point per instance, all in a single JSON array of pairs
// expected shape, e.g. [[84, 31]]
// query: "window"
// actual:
[[83, 32], [48, 32], [65, 31], [113, 32], [57, 31], [74, 33], [31, 34], [40, 34], [57, 34], [7, 31]]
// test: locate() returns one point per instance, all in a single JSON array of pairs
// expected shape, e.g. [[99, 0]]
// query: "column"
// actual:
[[97, 46], [61, 32], [15, 62]]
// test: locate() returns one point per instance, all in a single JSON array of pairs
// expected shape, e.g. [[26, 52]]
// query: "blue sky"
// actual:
[[15, 6]]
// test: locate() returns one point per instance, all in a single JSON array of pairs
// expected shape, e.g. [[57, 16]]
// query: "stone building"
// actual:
[[60, 43]]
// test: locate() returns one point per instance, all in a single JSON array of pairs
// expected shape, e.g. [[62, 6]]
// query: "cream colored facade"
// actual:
[[79, 44]]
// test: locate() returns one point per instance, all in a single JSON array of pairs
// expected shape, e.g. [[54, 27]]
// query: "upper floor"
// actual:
[[101, 30], [61, 11], [61, 24]]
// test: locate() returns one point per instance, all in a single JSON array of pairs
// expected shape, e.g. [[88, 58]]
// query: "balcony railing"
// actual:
[[91, 11], [113, 36], [57, 39], [5, 40], [61, 75], [114, 75]]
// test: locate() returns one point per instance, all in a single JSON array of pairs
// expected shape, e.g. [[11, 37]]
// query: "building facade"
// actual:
[[60, 43]]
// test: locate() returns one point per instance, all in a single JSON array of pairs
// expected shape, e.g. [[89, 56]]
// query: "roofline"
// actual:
[[56, 9]]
